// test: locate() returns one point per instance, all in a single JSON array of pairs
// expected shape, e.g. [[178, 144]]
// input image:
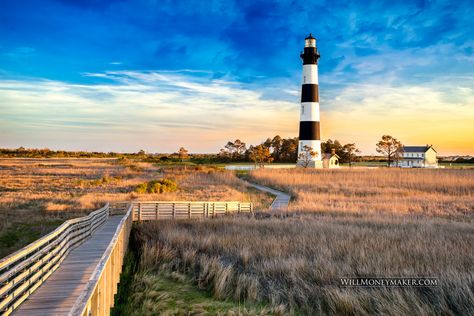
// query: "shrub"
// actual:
[[141, 188], [168, 185], [154, 187], [157, 186]]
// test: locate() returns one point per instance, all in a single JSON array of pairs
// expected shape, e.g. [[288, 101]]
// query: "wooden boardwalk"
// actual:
[[282, 199], [58, 295]]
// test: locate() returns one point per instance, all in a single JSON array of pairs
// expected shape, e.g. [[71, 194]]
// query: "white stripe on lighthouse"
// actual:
[[315, 144], [309, 111], [310, 74]]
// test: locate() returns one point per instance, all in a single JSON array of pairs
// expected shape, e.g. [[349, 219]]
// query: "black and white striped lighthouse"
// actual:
[[309, 118]]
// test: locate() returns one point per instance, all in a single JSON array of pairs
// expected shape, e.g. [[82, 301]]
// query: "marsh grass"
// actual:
[[441, 192], [41, 192], [341, 223], [298, 262]]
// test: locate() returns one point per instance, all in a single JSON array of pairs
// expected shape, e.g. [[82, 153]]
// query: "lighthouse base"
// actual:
[[314, 164]]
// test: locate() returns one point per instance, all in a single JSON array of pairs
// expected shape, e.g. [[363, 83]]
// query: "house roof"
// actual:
[[329, 156], [417, 149]]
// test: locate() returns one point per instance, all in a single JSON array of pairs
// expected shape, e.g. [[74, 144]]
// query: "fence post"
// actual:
[[189, 210], [139, 212], [174, 211], [238, 208], [156, 211]]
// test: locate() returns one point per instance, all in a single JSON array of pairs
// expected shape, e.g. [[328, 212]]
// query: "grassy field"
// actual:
[[37, 195], [439, 192], [343, 223], [354, 222]]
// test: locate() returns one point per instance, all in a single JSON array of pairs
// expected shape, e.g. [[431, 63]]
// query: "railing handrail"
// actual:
[[22, 272], [12, 258], [83, 302]]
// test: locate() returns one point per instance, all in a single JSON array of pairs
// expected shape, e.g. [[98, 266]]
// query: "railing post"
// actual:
[[174, 211], [156, 211], [238, 208], [139, 212]]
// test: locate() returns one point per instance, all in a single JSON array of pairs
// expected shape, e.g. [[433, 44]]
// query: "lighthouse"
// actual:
[[309, 135]]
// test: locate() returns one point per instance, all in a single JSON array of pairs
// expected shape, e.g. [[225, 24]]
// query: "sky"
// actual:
[[158, 75]]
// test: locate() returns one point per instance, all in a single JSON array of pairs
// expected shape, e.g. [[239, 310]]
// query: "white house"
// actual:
[[419, 157]]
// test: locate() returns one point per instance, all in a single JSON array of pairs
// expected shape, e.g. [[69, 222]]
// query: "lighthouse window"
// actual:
[[304, 79], [302, 109]]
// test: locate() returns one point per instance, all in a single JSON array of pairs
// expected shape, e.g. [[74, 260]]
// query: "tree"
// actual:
[[329, 145], [276, 145], [289, 150], [233, 151], [349, 152], [260, 154], [183, 154], [390, 147], [306, 156]]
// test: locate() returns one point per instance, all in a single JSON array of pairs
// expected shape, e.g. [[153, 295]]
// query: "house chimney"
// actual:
[[333, 151]]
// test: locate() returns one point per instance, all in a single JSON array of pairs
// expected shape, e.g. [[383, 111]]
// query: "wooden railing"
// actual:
[[98, 298], [25, 270], [22, 272], [154, 210]]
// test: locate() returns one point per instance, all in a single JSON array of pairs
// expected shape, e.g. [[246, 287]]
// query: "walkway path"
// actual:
[[59, 293], [282, 198]]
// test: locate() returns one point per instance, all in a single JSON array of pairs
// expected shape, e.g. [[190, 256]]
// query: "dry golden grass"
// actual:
[[298, 263], [441, 192], [36, 195], [343, 223]]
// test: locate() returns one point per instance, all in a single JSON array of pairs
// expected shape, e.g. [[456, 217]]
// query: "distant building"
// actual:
[[419, 157], [331, 160]]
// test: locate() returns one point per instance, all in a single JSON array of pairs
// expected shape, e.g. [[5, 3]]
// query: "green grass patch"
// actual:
[[22, 234], [171, 293]]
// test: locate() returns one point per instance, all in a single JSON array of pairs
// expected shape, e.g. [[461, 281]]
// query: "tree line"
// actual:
[[275, 149]]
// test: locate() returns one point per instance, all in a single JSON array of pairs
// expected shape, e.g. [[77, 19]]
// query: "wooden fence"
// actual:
[[22, 272], [98, 298], [154, 210]]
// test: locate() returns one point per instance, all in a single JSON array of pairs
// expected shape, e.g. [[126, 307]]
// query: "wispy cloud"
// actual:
[[152, 110], [160, 111]]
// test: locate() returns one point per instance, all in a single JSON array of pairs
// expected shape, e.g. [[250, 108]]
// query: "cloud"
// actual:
[[153, 110], [417, 115], [160, 111]]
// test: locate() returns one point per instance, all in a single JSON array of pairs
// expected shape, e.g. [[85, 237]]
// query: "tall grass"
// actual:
[[343, 223], [298, 263], [447, 193]]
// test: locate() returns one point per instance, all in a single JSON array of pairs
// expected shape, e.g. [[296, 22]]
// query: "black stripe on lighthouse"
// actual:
[[309, 130], [309, 93], [310, 56]]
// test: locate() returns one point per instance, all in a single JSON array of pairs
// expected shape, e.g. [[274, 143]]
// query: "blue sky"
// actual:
[[157, 75]]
